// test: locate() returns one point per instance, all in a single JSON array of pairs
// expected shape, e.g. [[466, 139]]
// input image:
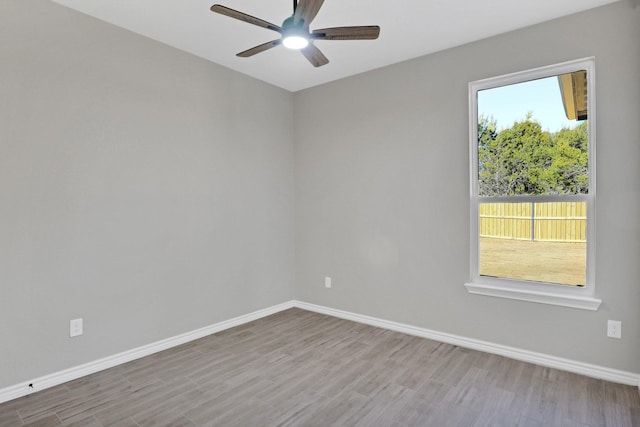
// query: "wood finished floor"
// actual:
[[298, 368]]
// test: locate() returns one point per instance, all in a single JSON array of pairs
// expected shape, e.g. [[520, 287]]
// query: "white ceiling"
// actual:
[[409, 28]]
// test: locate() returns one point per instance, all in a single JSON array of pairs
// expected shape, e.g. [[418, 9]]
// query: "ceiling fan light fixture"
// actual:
[[295, 41]]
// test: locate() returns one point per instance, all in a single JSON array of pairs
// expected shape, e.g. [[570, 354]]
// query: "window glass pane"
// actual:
[[541, 242], [533, 137]]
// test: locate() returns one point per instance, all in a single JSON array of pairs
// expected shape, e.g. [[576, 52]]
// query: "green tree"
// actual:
[[569, 169], [524, 159]]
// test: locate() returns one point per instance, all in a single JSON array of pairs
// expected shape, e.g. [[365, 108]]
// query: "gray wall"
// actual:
[[382, 187], [143, 189]]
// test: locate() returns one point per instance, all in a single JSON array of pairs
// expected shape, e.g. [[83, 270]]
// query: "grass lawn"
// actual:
[[555, 262]]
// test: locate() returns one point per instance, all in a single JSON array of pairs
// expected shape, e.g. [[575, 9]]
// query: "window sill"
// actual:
[[542, 297]]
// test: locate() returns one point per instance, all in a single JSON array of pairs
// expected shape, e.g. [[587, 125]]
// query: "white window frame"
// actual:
[[545, 293]]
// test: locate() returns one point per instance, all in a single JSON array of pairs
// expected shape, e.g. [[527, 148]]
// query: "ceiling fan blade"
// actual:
[[260, 48], [369, 32], [223, 10], [314, 55], [306, 11]]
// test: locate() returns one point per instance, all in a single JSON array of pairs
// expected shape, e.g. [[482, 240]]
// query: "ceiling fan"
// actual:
[[295, 34]]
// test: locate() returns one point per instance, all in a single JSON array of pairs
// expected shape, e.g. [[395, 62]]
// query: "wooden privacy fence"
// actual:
[[552, 222]]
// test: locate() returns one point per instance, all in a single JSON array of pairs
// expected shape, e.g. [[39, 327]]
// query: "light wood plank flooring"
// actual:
[[298, 368]]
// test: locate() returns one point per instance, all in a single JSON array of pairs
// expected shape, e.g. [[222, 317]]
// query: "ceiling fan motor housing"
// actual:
[[294, 34]]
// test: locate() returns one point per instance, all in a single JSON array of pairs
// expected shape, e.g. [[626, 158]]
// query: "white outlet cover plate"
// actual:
[[75, 327], [614, 329]]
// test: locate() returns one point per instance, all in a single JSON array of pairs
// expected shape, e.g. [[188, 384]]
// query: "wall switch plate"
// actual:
[[327, 282], [614, 329], [75, 327]]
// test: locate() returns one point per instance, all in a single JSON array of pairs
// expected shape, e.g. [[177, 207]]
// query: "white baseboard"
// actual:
[[541, 359], [57, 378]]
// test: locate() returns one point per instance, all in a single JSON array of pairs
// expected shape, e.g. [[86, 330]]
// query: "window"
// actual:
[[532, 146]]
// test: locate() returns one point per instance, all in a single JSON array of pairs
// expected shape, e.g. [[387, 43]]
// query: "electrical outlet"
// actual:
[[614, 329], [75, 327], [327, 282]]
